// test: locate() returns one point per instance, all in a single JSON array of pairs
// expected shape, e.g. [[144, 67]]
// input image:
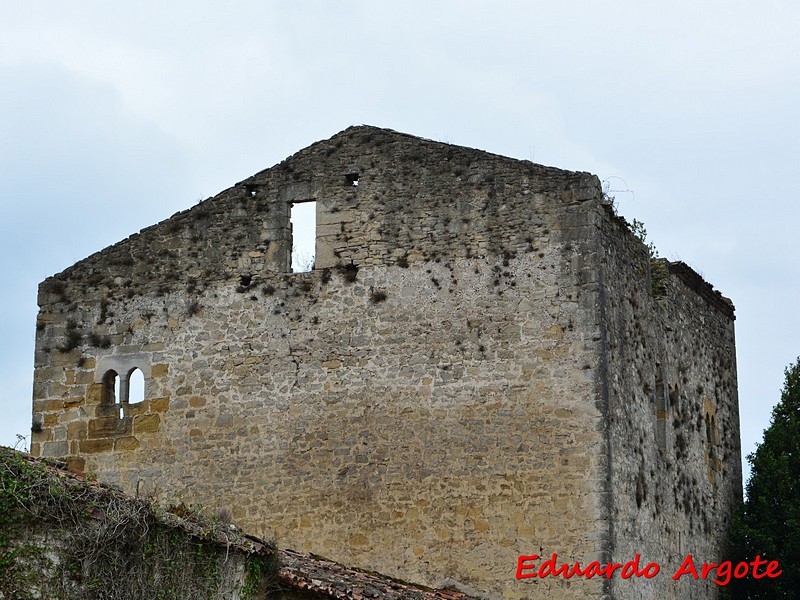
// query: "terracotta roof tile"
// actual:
[[318, 574]]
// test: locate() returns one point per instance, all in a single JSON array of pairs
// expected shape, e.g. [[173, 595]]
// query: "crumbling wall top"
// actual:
[[383, 193], [702, 288]]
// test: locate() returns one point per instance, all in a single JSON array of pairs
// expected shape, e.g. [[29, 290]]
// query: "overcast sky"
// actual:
[[115, 115]]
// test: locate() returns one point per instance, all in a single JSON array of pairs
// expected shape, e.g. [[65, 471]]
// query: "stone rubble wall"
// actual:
[[671, 366], [429, 402]]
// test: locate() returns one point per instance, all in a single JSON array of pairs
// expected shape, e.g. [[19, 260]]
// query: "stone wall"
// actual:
[[444, 392], [673, 424], [415, 201]]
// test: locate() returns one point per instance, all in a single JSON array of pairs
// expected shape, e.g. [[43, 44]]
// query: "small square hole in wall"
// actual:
[[304, 236], [351, 179]]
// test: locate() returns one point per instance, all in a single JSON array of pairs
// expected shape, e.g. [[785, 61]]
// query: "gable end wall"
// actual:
[[445, 392]]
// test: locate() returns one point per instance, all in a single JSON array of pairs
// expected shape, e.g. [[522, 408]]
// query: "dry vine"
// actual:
[[83, 540]]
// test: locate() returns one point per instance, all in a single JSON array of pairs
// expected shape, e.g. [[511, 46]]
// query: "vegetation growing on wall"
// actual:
[[659, 272], [64, 538]]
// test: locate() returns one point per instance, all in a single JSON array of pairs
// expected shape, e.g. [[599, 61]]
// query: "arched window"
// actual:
[[135, 386], [111, 390], [120, 391]]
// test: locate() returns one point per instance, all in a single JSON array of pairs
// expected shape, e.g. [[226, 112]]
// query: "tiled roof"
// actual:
[[318, 574]]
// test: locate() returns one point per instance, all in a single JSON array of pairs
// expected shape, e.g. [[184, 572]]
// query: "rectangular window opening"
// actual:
[[304, 236]]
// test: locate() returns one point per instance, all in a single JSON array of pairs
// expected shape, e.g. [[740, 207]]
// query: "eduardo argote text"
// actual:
[[722, 573]]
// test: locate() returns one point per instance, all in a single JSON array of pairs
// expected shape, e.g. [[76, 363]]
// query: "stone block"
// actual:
[[107, 410], [359, 540], [59, 359], [138, 408], [159, 370], [55, 449], [146, 424], [554, 332], [95, 446], [84, 377], [159, 405], [332, 230], [40, 405], [125, 444], [50, 374], [45, 435], [108, 427], [76, 464], [94, 393], [224, 421], [102, 427], [71, 403], [77, 430], [53, 405]]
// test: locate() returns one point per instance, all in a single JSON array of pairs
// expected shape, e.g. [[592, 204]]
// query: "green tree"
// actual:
[[768, 523]]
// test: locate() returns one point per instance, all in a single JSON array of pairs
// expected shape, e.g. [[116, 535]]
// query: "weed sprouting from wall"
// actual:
[[99, 341], [57, 287], [349, 272], [659, 272], [193, 308], [72, 338]]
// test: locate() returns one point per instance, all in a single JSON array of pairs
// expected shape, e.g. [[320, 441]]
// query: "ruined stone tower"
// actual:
[[482, 363]]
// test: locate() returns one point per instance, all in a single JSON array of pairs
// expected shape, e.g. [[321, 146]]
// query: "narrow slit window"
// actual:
[[304, 236], [118, 393], [662, 407], [711, 444]]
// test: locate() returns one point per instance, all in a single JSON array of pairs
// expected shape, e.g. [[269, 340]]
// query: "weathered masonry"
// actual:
[[481, 362], [65, 538]]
